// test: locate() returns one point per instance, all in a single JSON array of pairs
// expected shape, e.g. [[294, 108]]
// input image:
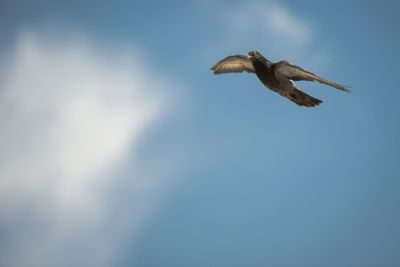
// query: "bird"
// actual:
[[279, 77]]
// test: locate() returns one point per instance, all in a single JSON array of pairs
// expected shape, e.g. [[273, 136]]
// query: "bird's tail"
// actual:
[[301, 98]]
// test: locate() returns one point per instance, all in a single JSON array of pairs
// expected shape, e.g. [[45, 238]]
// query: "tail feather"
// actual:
[[301, 98]]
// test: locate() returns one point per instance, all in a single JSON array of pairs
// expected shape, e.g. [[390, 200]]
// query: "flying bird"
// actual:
[[279, 77]]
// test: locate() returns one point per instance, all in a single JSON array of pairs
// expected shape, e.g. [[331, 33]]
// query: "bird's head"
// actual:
[[254, 55]]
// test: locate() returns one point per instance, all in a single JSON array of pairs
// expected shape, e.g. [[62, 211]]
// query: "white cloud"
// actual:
[[282, 21], [271, 18], [270, 27], [70, 113]]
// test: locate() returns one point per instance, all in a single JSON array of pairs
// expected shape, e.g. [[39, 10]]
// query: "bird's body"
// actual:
[[265, 73], [278, 76]]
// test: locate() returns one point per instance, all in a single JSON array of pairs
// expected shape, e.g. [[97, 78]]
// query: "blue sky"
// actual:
[[120, 147]]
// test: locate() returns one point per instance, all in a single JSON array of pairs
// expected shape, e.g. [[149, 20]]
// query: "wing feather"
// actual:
[[237, 63], [296, 73]]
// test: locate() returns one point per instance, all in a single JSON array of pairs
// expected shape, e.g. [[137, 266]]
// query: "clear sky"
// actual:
[[120, 147]]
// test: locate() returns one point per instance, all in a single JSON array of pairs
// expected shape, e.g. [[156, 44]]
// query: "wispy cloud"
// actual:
[[70, 113], [272, 19], [268, 26]]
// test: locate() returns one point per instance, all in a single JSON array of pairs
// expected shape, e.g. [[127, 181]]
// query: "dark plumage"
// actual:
[[278, 76]]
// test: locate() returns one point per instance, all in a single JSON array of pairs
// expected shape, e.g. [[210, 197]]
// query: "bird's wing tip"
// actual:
[[347, 88], [214, 70]]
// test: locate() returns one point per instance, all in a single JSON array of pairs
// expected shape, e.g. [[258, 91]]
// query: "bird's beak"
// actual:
[[249, 57]]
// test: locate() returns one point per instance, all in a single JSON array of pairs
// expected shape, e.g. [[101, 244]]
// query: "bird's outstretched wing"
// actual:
[[237, 63], [295, 73]]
